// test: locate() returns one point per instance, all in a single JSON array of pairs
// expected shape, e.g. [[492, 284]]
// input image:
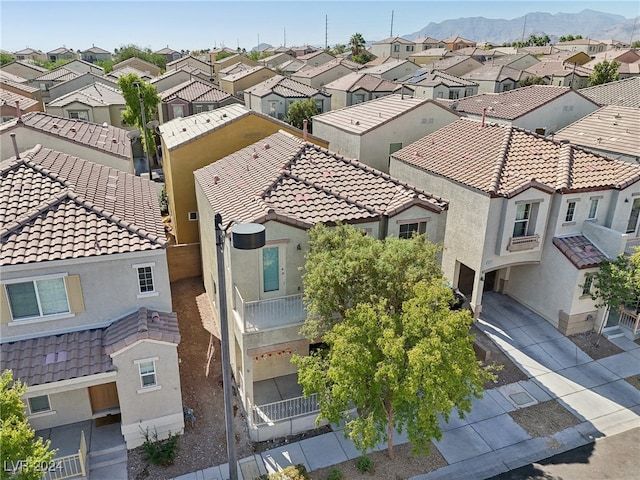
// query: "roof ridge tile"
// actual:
[[502, 160], [34, 213]]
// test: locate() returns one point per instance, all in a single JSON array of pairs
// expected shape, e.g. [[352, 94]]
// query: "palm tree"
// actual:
[[357, 44]]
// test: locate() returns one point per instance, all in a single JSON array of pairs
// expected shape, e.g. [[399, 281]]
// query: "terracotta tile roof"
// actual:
[[126, 70], [325, 67], [24, 87], [195, 91], [61, 51], [57, 207], [234, 77], [9, 99], [580, 251], [58, 75], [436, 77], [364, 117], [579, 41], [311, 55], [557, 69], [29, 51], [30, 65], [11, 77], [53, 358], [493, 73], [503, 160], [393, 40], [379, 61], [434, 52], [282, 177], [512, 104], [387, 67], [611, 128], [226, 59], [284, 86], [448, 62], [94, 95], [89, 134], [623, 92], [358, 80], [95, 49]]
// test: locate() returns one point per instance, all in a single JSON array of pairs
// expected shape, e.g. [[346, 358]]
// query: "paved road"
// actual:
[[615, 458]]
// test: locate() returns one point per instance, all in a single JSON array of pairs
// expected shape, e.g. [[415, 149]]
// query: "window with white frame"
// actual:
[[593, 208], [39, 404], [147, 373], [408, 229], [145, 278], [37, 298], [588, 283], [396, 47], [571, 212], [79, 114], [525, 222], [193, 216], [178, 111]]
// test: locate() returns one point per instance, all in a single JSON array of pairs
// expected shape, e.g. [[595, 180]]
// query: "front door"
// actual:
[[103, 397], [273, 280]]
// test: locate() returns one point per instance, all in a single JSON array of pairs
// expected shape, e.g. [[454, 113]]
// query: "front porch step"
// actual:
[[108, 457], [612, 332]]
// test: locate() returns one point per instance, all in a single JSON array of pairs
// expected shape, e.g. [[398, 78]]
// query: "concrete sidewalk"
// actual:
[[488, 441]]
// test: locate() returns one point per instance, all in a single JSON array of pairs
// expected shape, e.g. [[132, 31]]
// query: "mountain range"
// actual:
[[588, 23]]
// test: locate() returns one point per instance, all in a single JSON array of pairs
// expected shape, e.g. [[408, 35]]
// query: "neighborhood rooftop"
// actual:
[[94, 95], [623, 92], [358, 80], [283, 86], [9, 99], [195, 90]]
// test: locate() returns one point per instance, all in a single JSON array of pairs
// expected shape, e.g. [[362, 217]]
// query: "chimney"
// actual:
[[304, 130], [15, 145], [18, 111]]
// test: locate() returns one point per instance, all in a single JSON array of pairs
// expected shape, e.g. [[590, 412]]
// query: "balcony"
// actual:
[[519, 244], [270, 313], [280, 398]]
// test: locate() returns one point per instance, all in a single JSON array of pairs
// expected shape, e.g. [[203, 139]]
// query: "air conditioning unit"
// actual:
[[280, 116]]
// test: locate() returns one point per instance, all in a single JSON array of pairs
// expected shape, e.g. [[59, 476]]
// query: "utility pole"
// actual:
[[524, 26], [391, 35], [326, 29], [285, 37]]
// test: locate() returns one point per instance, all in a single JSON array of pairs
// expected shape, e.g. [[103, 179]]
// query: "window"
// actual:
[[394, 147], [407, 229], [468, 92], [193, 216], [440, 95], [272, 108], [37, 298], [147, 373], [79, 114], [633, 217], [525, 222], [358, 98], [453, 94], [145, 278], [410, 48], [571, 212], [320, 105], [271, 269], [396, 47], [588, 282], [178, 111], [198, 108], [39, 404], [593, 208]]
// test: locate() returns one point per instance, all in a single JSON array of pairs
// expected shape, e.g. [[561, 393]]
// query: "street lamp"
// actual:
[[248, 236], [144, 128]]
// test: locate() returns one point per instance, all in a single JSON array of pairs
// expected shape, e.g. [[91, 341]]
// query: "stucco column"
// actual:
[[476, 295]]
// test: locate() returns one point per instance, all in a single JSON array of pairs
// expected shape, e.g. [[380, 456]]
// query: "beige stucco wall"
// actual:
[[323, 78], [406, 68], [68, 406], [96, 114]]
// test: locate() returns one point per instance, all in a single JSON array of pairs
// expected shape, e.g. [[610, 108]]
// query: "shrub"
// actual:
[[334, 474], [294, 472], [363, 464], [160, 452]]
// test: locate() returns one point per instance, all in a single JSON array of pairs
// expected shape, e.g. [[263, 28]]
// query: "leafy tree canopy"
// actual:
[[130, 51], [395, 348], [617, 282], [257, 55], [223, 54], [635, 44], [532, 81], [18, 443], [150, 99], [604, 72], [6, 58], [301, 110]]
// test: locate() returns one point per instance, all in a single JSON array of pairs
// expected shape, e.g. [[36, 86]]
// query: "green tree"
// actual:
[[526, 81], [49, 65], [132, 114], [18, 443], [635, 44], [256, 55], [6, 58], [338, 48], [617, 283], [223, 54], [357, 44], [301, 110], [106, 64], [395, 348], [604, 72], [130, 51]]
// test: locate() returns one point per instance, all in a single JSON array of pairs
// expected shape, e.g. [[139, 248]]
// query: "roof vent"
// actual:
[[266, 146], [114, 140], [216, 179], [55, 125], [155, 317], [184, 129], [73, 129], [357, 122], [105, 125], [208, 120]]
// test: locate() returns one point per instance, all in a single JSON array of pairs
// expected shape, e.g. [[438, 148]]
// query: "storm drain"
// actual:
[[521, 398], [517, 395]]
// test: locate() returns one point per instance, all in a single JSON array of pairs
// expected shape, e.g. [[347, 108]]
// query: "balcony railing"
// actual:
[[70, 466], [271, 313], [518, 244], [631, 245], [284, 409], [630, 320]]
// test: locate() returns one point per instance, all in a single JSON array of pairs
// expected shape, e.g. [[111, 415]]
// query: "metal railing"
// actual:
[[270, 313], [69, 466], [517, 244], [284, 409], [631, 245], [630, 320]]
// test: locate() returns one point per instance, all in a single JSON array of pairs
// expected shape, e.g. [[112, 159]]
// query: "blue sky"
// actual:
[[206, 24]]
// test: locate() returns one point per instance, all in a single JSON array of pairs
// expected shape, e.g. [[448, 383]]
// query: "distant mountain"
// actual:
[[588, 23], [261, 47]]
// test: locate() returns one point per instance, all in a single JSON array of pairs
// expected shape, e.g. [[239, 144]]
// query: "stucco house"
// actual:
[[13, 104], [228, 61], [586, 45], [275, 60], [315, 59], [95, 54], [237, 83], [528, 216], [373, 130], [193, 142], [191, 97], [560, 74], [80, 67], [169, 54], [612, 131], [425, 57], [48, 80], [59, 89], [97, 103], [23, 69], [358, 87], [62, 53], [623, 92], [427, 43], [457, 43], [457, 65], [138, 64], [114, 75], [396, 47], [494, 78], [105, 145], [288, 186], [429, 83], [392, 71], [517, 61], [274, 96], [192, 62], [318, 77], [23, 89], [30, 54], [86, 314], [540, 108], [172, 78]]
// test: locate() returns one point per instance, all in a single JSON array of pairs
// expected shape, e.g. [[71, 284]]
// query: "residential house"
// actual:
[[613, 44], [191, 97], [192, 62], [62, 88], [538, 51], [566, 56], [297, 51], [172, 78], [228, 61], [611, 131], [104, 144], [121, 72], [275, 60], [95, 103], [13, 104], [622, 92], [425, 57], [139, 64], [315, 59], [435, 84], [626, 70], [290, 67], [457, 43], [585, 45], [427, 43], [288, 186], [560, 74], [392, 71], [528, 216], [458, 65], [517, 61], [396, 47], [494, 79], [95, 54], [193, 142], [6, 76], [30, 54], [169, 54], [22, 89], [235, 84], [358, 87], [629, 60], [235, 68], [214, 53], [274, 96], [48, 80], [80, 66], [539, 108], [318, 77], [85, 297], [373, 130], [23, 69], [62, 53]]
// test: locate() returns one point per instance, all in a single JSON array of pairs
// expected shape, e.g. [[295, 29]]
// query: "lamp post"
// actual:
[[144, 128], [248, 236]]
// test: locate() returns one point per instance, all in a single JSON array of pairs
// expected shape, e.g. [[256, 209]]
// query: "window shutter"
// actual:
[[5, 313], [74, 293]]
